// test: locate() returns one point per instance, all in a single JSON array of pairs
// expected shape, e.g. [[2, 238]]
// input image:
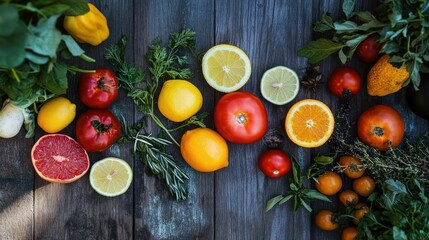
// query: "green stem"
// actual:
[[76, 69], [87, 58], [15, 75], [161, 125]]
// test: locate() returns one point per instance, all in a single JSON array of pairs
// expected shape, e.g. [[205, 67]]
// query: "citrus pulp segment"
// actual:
[[111, 176], [226, 68], [279, 85], [59, 158], [309, 123]]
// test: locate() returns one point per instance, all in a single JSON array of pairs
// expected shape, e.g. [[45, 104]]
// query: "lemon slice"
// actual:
[[279, 85], [111, 176], [226, 68]]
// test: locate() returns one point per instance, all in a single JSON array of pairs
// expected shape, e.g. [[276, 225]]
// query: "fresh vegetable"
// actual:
[[400, 25], [274, 163], [381, 127], [97, 129], [179, 100], [240, 117], [344, 82], [90, 27], [98, 89], [364, 186], [56, 114], [359, 211], [325, 220], [204, 149], [349, 233], [368, 50], [164, 62], [384, 78], [329, 183], [348, 197], [351, 166], [11, 120], [418, 99]]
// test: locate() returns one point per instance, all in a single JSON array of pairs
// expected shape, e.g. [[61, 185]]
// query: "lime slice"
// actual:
[[111, 176], [279, 85]]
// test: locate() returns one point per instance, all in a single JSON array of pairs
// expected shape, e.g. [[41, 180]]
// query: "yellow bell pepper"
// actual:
[[90, 27]]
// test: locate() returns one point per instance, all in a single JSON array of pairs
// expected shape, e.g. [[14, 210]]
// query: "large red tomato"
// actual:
[[240, 117], [274, 163], [97, 130], [381, 127], [368, 50], [344, 82], [98, 89]]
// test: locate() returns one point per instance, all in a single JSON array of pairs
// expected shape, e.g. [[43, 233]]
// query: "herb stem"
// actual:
[[162, 126], [15, 75]]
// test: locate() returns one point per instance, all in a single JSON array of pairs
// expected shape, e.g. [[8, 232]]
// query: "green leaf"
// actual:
[[395, 186], [54, 9], [348, 7], [323, 160], [296, 169], [345, 26], [342, 56], [293, 187], [36, 58], [325, 24], [72, 45], [315, 195], [77, 7], [365, 16], [8, 20], [55, 81], [318, 50], [45, 37], [12, 47], [272, 202], [399, 234], [305, 205], [286, 198], [356, 41], [296, 202]]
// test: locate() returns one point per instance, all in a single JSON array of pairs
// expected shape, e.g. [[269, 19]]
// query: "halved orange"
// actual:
[[309, 123]]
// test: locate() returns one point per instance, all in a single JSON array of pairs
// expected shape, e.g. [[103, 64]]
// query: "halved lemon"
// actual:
[[111, 176], [309, 123], [226, 68], [279, 85]]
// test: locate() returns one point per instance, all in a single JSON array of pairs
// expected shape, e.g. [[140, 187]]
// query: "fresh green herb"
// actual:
[[400, 25], [164, 62], [301, 195], [319, 165]]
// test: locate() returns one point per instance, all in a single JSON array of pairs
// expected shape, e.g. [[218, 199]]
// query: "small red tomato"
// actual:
[[344, 82], [274, 163], [98, 89], [368, 50], [97, 130]]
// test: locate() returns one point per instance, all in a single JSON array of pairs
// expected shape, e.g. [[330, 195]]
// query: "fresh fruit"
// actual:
[[349, 233], [359, 211], [97, 129], [418, 99], [344, 82], [59, 158], [56, 114], [240, 117], [384, 79], [368, 50], [329, 183], [348, 197], [98, 89], [179, 100], [309, 123], [324, 220], [279, 85], [111, 176], [204, 149], [274, 163], [226, 68], [381, 127], [364, 186], [353, 167]]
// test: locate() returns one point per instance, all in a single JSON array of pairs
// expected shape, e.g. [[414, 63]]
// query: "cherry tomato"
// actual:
[[348, 197], [359, 211], [353, 167], [324, 220], [274, 163], [349, 233], [381, 127], [364, 186], [368, 50], [344, 82], [98, 89], [329, 183], [97, 130], [240, 117]]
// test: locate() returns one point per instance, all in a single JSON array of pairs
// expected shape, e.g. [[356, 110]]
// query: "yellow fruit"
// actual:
[[204, 150], [56, 114], [384, 78], [279, 85], [179, 100], [309, 123], [226, 68]]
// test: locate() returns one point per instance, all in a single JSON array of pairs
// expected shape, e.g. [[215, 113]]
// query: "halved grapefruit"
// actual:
[[59, 158]]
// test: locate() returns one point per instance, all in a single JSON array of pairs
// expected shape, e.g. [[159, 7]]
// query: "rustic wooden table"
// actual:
[[227, 204]]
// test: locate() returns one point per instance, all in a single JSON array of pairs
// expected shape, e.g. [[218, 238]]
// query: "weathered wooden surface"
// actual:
[[227, 204]]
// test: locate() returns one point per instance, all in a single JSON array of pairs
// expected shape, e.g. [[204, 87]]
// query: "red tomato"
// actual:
[[240, 117], [381, 126], [274, 163], [97, 130], [344, 82], [368, 50], [98, 89]]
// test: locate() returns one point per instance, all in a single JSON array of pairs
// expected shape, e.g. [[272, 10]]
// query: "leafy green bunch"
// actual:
[[400, 25]]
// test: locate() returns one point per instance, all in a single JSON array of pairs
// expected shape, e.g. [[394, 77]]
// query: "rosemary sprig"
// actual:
[[163, 62]]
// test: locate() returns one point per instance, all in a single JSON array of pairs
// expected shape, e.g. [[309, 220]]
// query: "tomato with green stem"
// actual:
[[98, 89]]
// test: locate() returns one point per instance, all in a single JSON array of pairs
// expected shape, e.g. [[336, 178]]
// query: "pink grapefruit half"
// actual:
[[59, 158]]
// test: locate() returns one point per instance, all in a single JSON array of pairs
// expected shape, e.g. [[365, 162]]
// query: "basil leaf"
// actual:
[[348, 7], [77, 7], [55, 81], [318, 50]]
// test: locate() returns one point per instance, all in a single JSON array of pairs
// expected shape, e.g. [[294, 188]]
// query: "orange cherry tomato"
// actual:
[[349, 233], [364, 186], [324, 221], [359, 211], [353, 166], [348, 197], [329, 184]]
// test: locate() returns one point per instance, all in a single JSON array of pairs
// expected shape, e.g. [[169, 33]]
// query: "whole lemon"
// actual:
[[179, 100], [204, 149], [56, 114]]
